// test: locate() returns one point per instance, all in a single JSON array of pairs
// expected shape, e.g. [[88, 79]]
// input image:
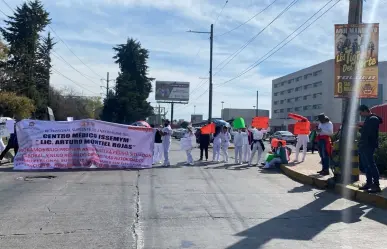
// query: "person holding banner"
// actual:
[[204, 142], [257, 144], [167, 133], [302, 130], [216, 145], [12, 144], [225, 138], [158, 147]]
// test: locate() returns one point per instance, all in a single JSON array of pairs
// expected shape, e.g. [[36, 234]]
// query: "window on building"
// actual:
[[316, 95], [316, 107], [290, 81], [275, 94], [275, 102], [275, 85], [317, 84], [290, 100], [306, 97], [298, 88], [290, 90], [307, 107], [282, 110], [307, 76], [299, 78], [289, 109], [317, 73], [275, 111], [283, 83], [282, 92], [298, 98], [297, 109], [282, 101], [307, 86]]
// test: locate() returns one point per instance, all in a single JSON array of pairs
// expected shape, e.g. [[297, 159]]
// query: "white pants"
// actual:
[[246, 152], [216, 151], [2, 145], [238, 154], [256, 148], [158, 153], [302, 140], [189, 156], [166, 146], [225, 151]]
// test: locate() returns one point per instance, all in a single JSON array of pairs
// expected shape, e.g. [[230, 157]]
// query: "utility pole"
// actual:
[[256, 111], [210, 72], [107, 84], [159, 117], [221, 112], [194, 109], [172, 112]]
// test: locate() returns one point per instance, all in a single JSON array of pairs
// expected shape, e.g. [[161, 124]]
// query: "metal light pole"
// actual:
[[256, 112], [194, 109], [210, 72]]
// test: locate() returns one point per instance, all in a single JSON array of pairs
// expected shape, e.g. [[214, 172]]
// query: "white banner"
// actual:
[[82, 144]]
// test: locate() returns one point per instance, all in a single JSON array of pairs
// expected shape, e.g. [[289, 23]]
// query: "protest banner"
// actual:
[[302, 128], [208, 129], [260, 122], [82, 144], [356, 59], [239, 123]]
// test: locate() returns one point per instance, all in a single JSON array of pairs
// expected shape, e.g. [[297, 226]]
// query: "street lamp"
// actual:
[[194, 109]]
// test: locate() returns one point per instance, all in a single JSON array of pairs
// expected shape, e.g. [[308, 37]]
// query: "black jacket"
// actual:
[[204, 139], [158, 137], [370, 132]]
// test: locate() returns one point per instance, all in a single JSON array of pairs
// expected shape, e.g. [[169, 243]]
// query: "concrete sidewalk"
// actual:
[[306, 172]]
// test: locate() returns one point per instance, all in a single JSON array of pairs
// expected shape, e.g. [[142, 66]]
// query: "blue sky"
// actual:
[[92, 27]]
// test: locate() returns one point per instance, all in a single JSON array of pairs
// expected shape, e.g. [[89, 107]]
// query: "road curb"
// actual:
[[349, 192]]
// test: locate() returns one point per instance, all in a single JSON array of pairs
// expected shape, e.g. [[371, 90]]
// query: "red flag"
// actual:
[[297, 117], [208, 129]]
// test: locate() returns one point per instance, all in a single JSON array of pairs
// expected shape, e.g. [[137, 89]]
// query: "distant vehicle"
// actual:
[[178, 133], [284, 135]]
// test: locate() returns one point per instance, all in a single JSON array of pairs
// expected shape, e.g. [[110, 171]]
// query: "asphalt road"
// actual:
[[202, 206]]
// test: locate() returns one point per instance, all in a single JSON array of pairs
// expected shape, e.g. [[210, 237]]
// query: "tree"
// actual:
[[184, 124], [3, 58], [22, 33], [15, 106], [133, 85]]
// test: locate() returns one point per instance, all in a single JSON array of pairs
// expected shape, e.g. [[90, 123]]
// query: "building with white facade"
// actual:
[[310, 91]]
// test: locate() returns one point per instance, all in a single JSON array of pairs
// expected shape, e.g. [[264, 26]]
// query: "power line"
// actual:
[[7, 5], [217, 18], [240, 25], [262, 59], [76, 83], [72, 51], [85, 76], [232, 56]]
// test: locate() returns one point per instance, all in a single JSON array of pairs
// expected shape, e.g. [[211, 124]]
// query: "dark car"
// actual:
[[284, 135]]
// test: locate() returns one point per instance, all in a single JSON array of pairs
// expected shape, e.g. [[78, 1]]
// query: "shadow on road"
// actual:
[[305, 223]]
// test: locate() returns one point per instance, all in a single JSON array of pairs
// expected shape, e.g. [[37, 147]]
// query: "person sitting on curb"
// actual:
[[280, 156]]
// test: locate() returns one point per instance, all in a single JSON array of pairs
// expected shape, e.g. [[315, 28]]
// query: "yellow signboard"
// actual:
[[356, 59]]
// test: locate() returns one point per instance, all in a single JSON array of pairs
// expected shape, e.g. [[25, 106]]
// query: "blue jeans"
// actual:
[[324, 155], [368, 162]]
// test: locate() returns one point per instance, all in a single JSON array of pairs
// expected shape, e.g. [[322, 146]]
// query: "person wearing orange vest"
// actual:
[[302, 140]]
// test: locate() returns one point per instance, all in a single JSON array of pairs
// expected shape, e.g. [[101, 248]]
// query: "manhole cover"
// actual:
[[31, 178]]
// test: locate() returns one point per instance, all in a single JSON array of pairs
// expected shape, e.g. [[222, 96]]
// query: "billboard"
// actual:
[[350, 40], [172, 91], [196, 118]]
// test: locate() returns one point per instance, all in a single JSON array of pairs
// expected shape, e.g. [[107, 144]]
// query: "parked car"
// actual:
[[284, 135], [178, 133]]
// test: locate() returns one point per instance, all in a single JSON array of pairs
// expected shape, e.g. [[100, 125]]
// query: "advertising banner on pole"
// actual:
[[172, 91], [356, 47], [84, 143]]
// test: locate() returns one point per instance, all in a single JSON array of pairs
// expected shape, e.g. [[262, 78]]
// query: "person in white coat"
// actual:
[[226, 137], [238, 143], [167, 133], [187, 144], [302, 140], [158, 147], [257, 144], [216, 144], [246, 147]]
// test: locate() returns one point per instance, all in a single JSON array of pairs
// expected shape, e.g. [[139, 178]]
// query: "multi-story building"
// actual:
[[310, 91]]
